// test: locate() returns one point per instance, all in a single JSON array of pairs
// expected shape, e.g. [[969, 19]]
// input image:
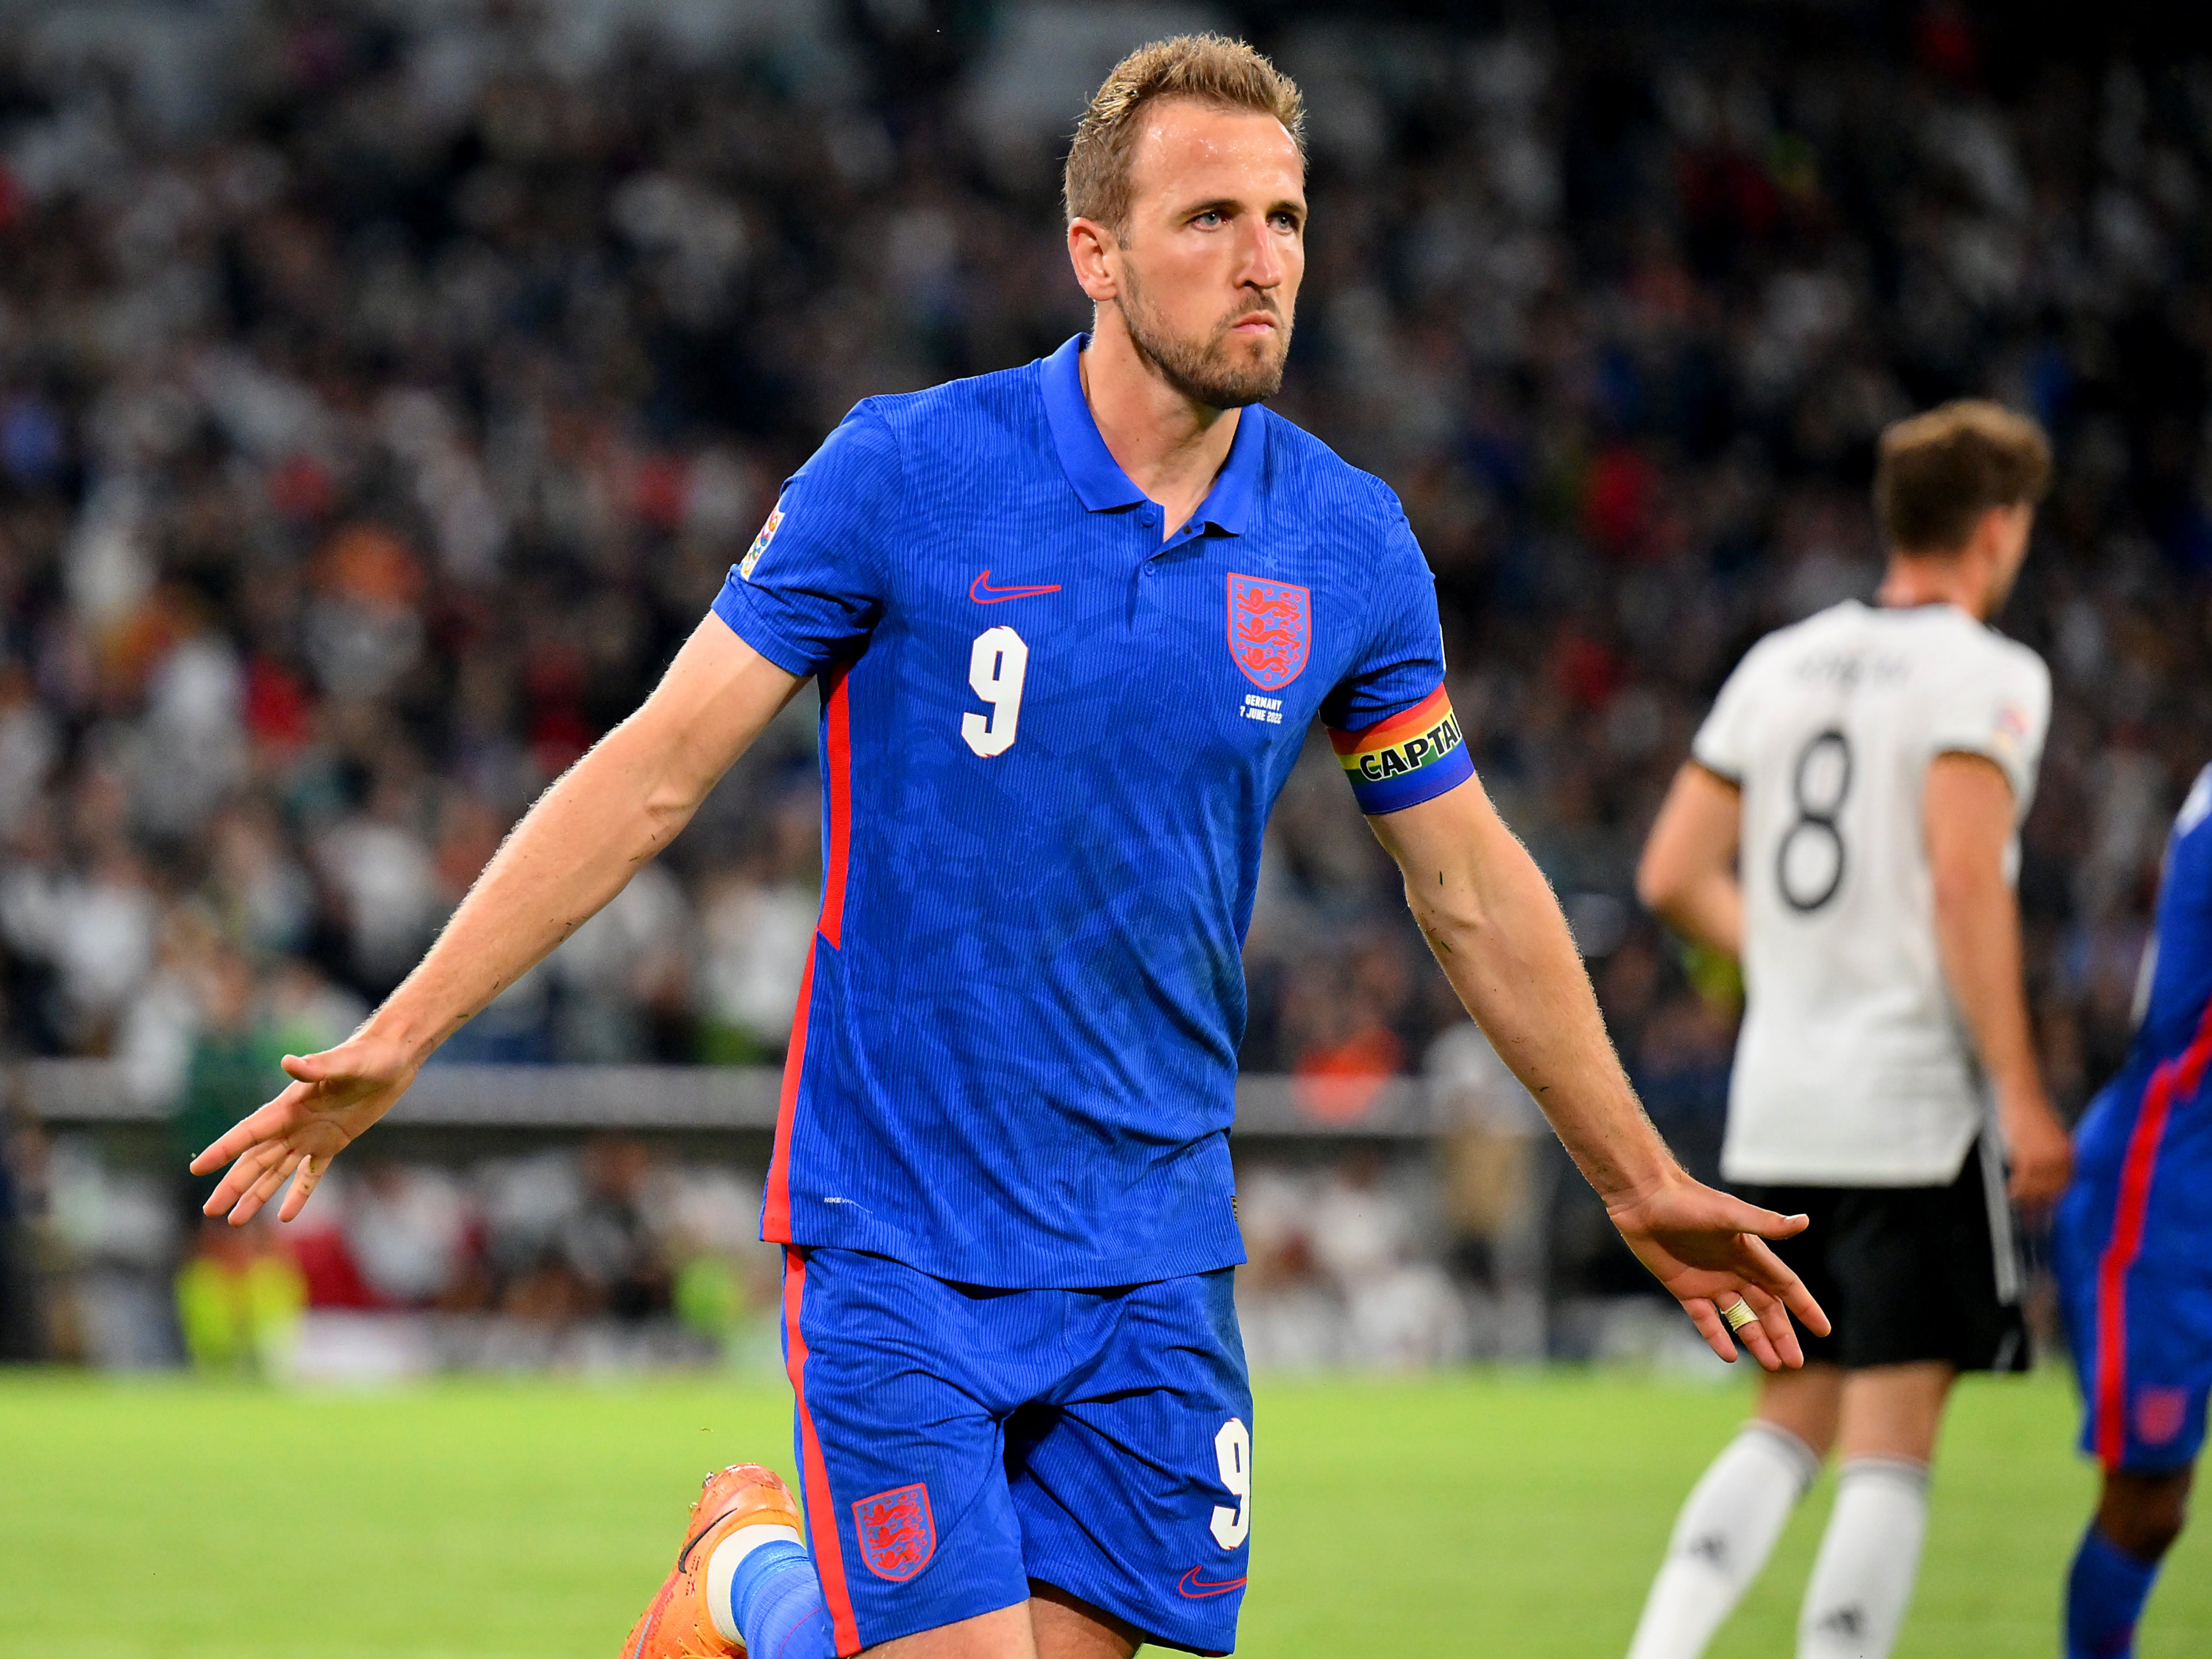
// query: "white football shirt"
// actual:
[[1853, 1067]]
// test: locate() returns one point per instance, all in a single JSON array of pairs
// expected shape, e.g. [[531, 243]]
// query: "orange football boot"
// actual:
[[677, 1625]]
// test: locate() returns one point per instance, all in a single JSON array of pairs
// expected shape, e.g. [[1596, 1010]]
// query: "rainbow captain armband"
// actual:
[[1414, 755]]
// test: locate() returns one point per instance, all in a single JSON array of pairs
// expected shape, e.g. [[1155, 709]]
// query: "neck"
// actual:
[[1171, 448], [1919, 579]]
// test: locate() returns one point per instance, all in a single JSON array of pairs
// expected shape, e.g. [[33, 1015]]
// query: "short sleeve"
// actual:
[[1388, 719], [809, 590], [1722, 745], [1998, 710]]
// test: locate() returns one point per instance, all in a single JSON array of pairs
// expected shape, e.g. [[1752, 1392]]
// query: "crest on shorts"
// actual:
[[1270, 627], [2160, 1414], [896, 1531]]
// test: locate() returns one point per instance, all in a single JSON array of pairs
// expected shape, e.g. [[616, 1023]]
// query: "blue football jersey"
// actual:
[[2144, 1147], [1050, 740]]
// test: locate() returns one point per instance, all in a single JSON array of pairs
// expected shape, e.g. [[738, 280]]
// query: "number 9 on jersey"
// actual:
[[997, 665]]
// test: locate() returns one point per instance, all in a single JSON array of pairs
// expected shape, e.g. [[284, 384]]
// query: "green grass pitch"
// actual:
[[1500, 1514]]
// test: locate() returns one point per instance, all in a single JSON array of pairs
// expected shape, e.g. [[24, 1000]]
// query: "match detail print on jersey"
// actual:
[[1412, 756]]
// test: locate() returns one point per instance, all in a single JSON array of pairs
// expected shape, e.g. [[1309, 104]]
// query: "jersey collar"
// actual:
[[1099, 482]]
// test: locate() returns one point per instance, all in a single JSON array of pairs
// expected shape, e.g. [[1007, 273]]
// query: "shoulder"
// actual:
[[1773, 653], [1976, 651], [983, 412], [2196, 810], [1309, 477]]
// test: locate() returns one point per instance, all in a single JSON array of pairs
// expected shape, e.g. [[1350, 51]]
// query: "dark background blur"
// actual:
[[385, 388]]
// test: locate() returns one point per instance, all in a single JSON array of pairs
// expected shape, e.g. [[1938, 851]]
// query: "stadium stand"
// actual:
[[385, 387]]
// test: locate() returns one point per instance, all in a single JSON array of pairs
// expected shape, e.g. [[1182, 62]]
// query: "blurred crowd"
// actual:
[[608, 1252], [385, 387], [618, 1254]]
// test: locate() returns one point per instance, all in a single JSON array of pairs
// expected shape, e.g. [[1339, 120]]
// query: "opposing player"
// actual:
[[1846, 828], [1071, 624], [2133, 1253]]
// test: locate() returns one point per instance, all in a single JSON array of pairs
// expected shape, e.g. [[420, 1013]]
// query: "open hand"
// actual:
[[333, 1097], [1708, 1248]]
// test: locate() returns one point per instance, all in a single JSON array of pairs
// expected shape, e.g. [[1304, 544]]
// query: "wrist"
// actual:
[[1636, 1187], [404, 1028]]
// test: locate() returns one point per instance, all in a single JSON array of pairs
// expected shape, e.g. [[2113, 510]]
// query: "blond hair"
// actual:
[[1937, 473], [1210, 68]]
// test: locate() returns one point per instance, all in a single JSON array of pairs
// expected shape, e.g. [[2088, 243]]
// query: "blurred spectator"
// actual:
[[1366, 1239], [756, 928], [409, 1230], [240, 1298], [22, 1336], [231, 1070], [1500, 1164]]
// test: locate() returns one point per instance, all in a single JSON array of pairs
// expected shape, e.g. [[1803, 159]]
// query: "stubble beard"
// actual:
[[1207, 372]]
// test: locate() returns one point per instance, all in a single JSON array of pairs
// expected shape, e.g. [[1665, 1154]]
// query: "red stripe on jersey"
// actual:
[[813, 1471], [776, 1212], [837, 747], [2179, 1076], [837, 742]]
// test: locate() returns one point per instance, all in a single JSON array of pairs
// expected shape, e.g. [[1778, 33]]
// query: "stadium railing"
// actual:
[[708, 1098]]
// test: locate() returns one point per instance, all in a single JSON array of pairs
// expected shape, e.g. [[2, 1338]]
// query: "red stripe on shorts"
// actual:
[[813, 1472], [2179, 1076]]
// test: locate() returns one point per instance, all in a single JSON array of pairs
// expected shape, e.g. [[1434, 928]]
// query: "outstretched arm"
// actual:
[[576, 848], [1492, 919]]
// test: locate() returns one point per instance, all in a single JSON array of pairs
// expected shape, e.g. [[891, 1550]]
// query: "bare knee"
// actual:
[[1805, 1404], [2143, 1514], [1894, 1411]]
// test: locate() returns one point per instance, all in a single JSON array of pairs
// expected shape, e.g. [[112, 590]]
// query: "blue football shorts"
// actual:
[[2139, 1322], [956, 1442]]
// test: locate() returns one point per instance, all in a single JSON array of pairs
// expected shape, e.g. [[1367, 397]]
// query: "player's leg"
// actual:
[[2138, 1518], [1133, 1478], [1734, 1513], [912, 1547], [1068, 1627], [1728, 1525], [1870, 1556], [1933, 1277], [1052, 1625], [2145, 1396]]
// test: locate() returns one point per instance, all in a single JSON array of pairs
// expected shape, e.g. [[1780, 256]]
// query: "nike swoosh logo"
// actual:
[[1194, 1587], [982, 592]]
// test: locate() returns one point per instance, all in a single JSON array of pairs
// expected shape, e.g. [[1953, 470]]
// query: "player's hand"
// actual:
[[1708, 1248], [2041, 1154], [334, 1096]]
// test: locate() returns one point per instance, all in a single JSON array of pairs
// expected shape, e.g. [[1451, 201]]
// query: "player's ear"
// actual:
[[1094, 250]]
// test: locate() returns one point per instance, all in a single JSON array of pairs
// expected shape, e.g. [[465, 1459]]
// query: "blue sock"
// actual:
[[777, 1601], [2104, 1596]]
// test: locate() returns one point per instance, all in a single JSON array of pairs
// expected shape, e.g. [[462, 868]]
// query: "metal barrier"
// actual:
[[709, 1097]]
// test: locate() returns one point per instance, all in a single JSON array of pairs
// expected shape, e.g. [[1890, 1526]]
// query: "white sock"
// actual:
[[1722, 1539], [722, 1567], [1863, 1579]]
